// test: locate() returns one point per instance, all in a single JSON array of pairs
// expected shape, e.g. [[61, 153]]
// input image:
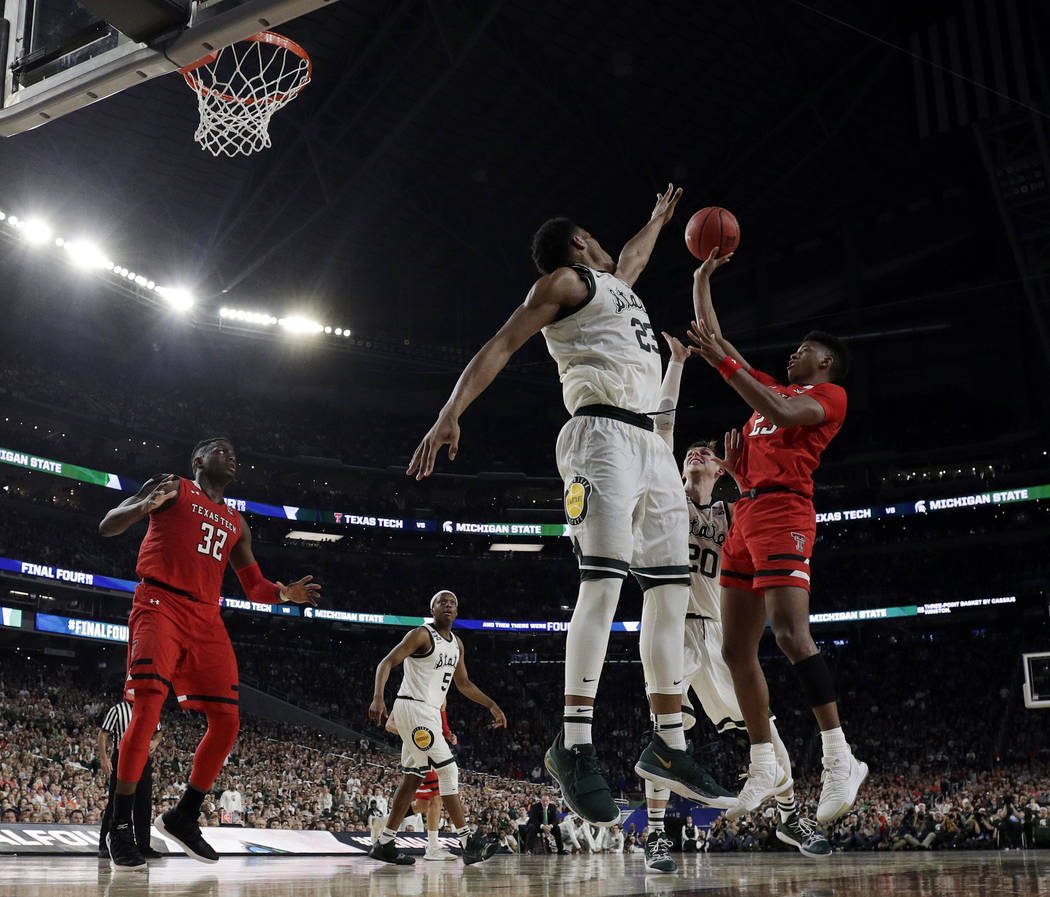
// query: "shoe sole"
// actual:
[[158, 824], [674, 867], [572, 805], [662, 781], [787, 839], [843, 808], [441, 859]]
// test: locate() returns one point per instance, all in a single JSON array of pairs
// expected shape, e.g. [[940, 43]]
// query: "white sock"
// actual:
[[763, 753], [578, 724], [786, 807], [432, 840], [464, 835], [387, 836], [669, 728], [834, 742]]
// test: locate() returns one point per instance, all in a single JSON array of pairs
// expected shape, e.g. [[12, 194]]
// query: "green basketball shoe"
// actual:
[[584, 790]]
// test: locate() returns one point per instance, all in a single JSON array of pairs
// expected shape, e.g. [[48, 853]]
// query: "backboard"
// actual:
[[62, 55], [1036, 680]]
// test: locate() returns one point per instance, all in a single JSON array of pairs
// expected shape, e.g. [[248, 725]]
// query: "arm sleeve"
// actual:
[[763, 378], [256, 586], [445, 730], [833, 399]]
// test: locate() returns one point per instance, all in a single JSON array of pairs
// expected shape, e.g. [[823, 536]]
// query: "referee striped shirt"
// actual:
[[116, 721]]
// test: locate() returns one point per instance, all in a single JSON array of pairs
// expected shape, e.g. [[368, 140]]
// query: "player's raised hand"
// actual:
[[734, 444], [377, 711], [711, 263], [679, 352], [164, 492], [708, 345], [665, 204], [301, 592], [499, 720], [444, 432]]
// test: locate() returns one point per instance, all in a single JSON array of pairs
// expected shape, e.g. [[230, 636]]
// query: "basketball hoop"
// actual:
[[240, 87]]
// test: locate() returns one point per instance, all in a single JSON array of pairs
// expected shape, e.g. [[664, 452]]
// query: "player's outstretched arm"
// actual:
[[416, 640], [703, 307], [635, 254], [155, 493], [796, 411], [664, 421], [469, 690], [550, 294], [734, 445], [257, 587]]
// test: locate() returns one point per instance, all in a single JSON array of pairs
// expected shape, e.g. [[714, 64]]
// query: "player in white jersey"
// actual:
[[433, 657], [623, 500], [707, 680]]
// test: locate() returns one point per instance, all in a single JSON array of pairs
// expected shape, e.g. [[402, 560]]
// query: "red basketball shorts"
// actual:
[[769, 543], [175, 642], [429, 787]]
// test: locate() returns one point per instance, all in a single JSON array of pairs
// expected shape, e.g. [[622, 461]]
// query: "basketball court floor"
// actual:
[[961, 873]]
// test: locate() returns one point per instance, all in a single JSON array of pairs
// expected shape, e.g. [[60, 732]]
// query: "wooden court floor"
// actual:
[[987, 874]]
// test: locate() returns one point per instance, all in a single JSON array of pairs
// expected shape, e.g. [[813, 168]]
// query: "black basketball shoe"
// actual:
[[124, 854], [188, 834]]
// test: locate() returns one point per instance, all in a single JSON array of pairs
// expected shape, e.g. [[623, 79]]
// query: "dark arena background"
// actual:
[[315, 302]]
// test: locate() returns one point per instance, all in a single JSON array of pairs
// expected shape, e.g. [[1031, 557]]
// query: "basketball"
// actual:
[[711, 227]]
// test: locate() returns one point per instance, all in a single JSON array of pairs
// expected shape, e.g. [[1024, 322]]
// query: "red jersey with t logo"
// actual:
[[787, 456], [188, 543]]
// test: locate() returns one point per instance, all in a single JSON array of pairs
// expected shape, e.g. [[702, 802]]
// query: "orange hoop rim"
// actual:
[[263, 37]]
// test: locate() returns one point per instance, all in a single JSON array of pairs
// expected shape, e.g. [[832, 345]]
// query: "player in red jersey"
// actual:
[[765, 559], [176, 637]]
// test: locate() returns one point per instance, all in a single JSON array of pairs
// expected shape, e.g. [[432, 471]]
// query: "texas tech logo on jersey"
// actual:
[[800, 541]]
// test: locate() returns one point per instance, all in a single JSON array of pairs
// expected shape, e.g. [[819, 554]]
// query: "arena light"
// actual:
[[179, 299], [35, 231], [516, 546], [299, 324], [84, 254], [308, 536]]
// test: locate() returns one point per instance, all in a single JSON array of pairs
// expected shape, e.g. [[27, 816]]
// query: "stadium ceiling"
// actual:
[[404, 183]]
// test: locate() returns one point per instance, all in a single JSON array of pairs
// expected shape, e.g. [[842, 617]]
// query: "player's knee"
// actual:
[[736, 655], [224, 722], [448, 779], [793, 637]]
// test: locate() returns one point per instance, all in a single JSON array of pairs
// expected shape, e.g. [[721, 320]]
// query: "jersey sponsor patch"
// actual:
[[576, 497], [422, 738]]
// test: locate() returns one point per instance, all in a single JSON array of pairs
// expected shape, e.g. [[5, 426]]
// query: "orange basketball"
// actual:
[[711, 227]]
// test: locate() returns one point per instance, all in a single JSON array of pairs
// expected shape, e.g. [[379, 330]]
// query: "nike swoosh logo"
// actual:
[[677, 682], [665, 763], [590, 680], [581, 710]]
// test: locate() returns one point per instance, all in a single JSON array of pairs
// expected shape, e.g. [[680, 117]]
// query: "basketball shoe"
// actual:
[[657, 853], [478, 848], [388, 854], [763, 781], [667, 767], [585, 791], [188, 834], [124, 854], [438, 854], [842, 778], [804, 835]]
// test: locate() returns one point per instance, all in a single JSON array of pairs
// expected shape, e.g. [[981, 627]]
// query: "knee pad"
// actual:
[[588, 637], [448, 779]]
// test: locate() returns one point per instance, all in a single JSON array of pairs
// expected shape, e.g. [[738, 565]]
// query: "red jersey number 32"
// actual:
[[759, 430], [212, 541]]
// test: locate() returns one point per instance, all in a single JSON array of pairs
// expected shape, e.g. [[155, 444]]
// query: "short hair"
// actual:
[[201, 447], [839, 352], [702, 443], [438, 594], [551, 244]]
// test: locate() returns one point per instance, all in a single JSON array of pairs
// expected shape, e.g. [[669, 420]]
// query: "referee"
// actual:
[[113, 725]]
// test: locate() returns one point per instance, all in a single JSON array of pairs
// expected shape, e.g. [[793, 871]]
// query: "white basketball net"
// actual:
[[240, 87]]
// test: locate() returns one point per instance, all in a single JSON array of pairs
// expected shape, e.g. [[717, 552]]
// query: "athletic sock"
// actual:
[[464, 835], [786, 808], [578, 721], [387, 835], [834, 742], [656, 819], [189, 804], [432, 840], [763, 752], [122, 806], [669, 728]]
